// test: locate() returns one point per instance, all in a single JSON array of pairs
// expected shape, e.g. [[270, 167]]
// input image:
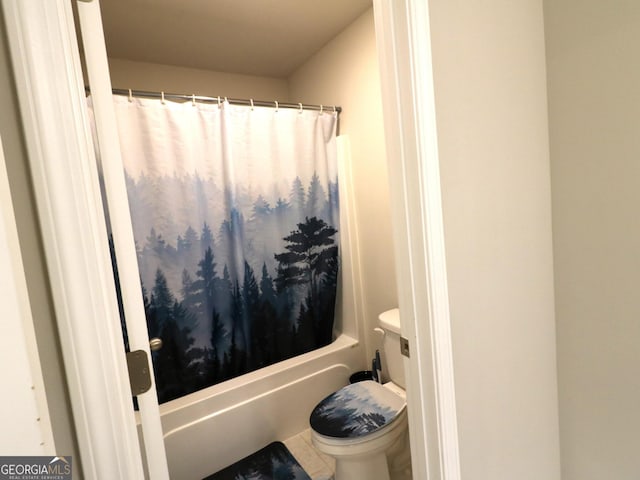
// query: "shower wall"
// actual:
[[593, 82]]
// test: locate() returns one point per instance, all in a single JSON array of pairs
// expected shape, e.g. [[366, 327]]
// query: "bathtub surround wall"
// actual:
[[489, 69], [593, 82]]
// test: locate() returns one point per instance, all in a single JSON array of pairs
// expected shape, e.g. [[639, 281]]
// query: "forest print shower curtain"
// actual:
[[235, 218]]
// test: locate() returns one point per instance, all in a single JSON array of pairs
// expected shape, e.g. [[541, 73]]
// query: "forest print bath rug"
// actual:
[[273, 462]]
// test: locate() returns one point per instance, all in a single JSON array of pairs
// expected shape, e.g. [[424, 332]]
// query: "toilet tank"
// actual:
[[392, 363]]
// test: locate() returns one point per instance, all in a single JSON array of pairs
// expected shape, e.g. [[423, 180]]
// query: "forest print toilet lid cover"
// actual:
[[356, 410]]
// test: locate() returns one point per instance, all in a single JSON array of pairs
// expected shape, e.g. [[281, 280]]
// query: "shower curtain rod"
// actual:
[[235, 101]]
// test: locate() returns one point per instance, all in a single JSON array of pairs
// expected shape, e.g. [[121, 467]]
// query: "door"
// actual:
[[123, 241]]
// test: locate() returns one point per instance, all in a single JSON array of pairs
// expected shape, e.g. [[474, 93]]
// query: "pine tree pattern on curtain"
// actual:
[[235, 218]]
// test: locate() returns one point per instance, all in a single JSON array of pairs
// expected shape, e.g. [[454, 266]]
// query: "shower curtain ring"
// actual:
[[130, 95], [321, 108], [276, 105], [193, 99], [300, 109], [251, 100], [162, 97]]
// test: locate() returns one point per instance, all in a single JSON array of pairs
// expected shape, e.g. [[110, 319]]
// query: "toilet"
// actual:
[[363, 426]]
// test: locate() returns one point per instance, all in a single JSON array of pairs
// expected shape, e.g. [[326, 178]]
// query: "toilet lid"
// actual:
[[356, 410]]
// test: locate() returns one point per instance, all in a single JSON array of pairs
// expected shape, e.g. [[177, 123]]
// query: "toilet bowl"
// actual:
[[358, 426], [363, 426]]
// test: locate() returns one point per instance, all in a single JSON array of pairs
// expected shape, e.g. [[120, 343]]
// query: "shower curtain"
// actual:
[[235, 218]]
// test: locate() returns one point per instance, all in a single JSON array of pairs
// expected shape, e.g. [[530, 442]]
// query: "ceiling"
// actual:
[[255, 37]]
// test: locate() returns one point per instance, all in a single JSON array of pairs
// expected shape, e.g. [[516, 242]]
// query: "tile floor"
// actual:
[[321, 467], [316, 464]]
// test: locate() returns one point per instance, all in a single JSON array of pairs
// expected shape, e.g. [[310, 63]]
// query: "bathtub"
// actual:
[[210, 429]]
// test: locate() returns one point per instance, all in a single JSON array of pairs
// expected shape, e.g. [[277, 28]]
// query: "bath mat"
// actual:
[[273, 462]]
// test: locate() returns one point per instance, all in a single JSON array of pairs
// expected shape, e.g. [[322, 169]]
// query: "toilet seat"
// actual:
[[359, 412]]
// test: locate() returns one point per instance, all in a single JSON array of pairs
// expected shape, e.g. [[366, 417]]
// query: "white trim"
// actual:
[[404, 46], [49, 82]]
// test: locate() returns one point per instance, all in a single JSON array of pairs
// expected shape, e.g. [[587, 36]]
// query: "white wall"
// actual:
[[169, 78], [594, 102], [24, 414], [489, 69], [345, 72]]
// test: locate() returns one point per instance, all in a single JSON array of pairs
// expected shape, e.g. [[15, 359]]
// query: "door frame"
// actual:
[[403, 37], [46, 63]]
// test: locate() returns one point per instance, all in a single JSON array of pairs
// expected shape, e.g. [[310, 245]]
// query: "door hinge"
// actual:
[[139, 372], [404, 347]]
